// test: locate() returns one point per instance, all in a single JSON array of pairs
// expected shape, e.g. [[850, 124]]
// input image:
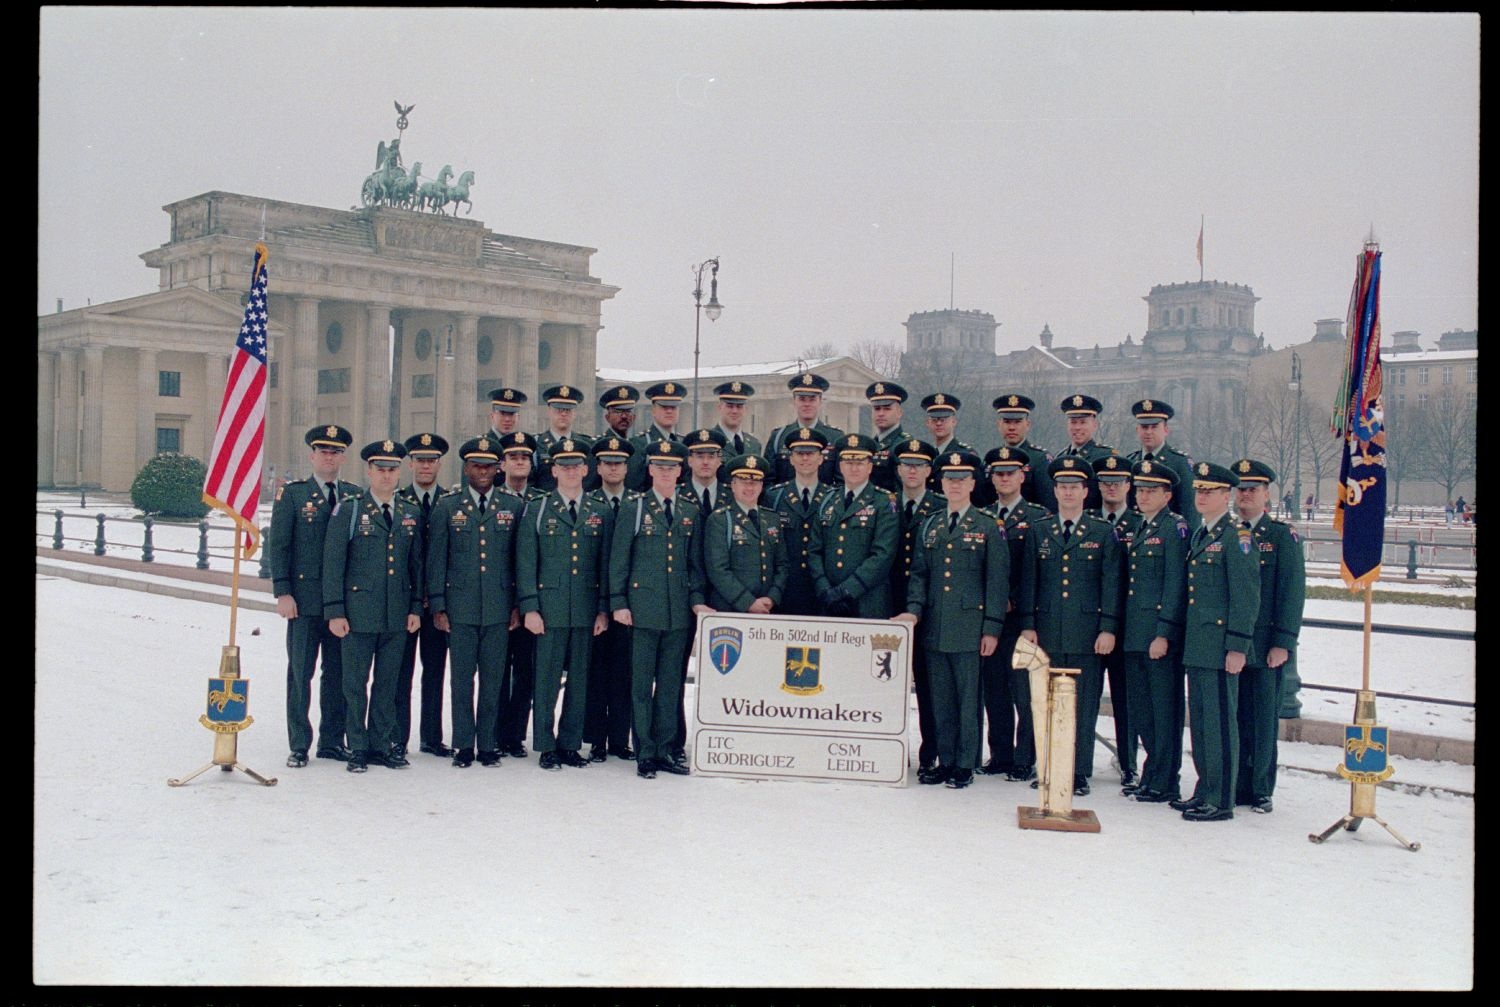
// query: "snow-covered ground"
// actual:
[[435, 875]]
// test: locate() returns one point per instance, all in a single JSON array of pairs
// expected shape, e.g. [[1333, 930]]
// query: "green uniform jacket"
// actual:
[[1037, 486], [1018, 522], [797, 524], [741, 562], [1182, 494], [409, 492], [1283, 586], [960, 581], [636, 475], [1223, 594], [1156, 588], [541, 467], [780, 456], [654, 569], [561, 564], [299, 523], [752, 444], [471, 561], [372, 571], [884, 473], [1091, 452], [854, 547], [906, 553], [1070, 593]]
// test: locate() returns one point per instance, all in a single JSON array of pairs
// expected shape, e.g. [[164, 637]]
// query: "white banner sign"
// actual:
[[800, 697]]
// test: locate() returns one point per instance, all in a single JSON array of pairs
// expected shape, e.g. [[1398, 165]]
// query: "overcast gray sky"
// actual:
[[833, 160]]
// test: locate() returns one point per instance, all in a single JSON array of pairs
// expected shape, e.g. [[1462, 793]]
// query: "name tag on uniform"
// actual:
[[459, 521]]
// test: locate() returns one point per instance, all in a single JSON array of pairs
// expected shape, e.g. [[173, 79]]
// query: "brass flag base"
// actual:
[[1054, 712], [1071, 821], [227, 716], [1363, 740]]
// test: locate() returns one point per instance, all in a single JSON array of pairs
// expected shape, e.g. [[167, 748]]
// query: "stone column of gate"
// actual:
[[215, 377], [91, 459], [376, 379], [46, 419], [526, 373], [146, 386], [586, 338], [459, 389], [302, 388], [65, 470]]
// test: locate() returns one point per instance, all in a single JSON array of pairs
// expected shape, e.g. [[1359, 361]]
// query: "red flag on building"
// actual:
[[233, 483]]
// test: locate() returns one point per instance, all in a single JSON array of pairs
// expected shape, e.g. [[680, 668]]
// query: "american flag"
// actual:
[[233, 483]]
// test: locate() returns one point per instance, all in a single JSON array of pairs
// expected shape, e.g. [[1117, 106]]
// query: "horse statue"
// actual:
[[435, 193], [404, 190], [388, 171], [459, 192]]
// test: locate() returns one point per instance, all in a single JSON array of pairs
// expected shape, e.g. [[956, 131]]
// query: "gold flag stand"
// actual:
[[1054, 717], [226, 732], [1362, 738]]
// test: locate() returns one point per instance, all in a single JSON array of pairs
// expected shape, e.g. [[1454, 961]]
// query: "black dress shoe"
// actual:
[[356, 764], [628, 754], [1156, 796], [1080, 786], [489, 758], [960, 778], [933, 776], [516, 751], [1020, 774], [440, 750], [1208, 813], [1129, 782], [463, 758], [679, 757], [1145, 794], [646, 769], [926, 766], [598, 754], [399, 750], [297, 759], [994, 768], [337, 752], [675, 768], [391, 759], [1185, 805], [1261, 805], [573, 759], [549, 761]]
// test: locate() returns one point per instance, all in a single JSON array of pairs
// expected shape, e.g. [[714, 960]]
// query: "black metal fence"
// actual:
[[136, 537]]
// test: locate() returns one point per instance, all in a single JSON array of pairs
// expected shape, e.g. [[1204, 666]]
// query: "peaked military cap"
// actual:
[[426, 446], [1208, 476], [916, 452], [806, 437], [485, 450], [1112, 469], [507, 400], [666, 393], [384, 454], [957, 464], [563, 397], [750, 466], [518, 442], [1150, 412], [329, 436], [666, 451], [1153, 473], [620, 397], [705, 440], [941, 404], [1081, 405], [1070, 467], [1013, 406], [808, 383], [885, 391], [1251, 471], [855, 447], [567, 452], [612, 449], [734, 391], [1006, 459]]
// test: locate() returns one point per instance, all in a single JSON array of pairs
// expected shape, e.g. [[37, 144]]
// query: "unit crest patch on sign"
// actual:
[[802, 671], [724, 644]]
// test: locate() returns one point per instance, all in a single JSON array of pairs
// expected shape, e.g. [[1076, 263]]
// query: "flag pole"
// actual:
[[234, 591], [1369, 597]]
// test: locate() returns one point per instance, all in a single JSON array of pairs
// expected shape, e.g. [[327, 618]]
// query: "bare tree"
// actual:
[[882, 358], [1448, 441], [820, 351], [925, 372], [1321, 451], [1224, 426], [1274, 412]]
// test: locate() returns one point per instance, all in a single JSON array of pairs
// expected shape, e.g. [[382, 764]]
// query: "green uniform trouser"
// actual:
[[1020, 695], [656, 658], [358, 649], [1155, 691], [1260, 705], [1090, 691], [557, 649], [306, 636], [955, 706], [485, 649], [1213, 701]]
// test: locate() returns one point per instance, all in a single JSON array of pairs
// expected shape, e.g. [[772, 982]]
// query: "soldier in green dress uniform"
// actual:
[[372, 599], [744, 548], [1152, 427], [958, 592], [1070, 597], [1113, 477], [798, 501], [915, 504], [656, 590], [886, 400], [1013, 420], [424, 455], [562, 414], [1155, 603], [666, 403], [299, 519], [619, 404], [1219, 641], [1283, 592], [1083, 424], [807, 391], [854, 538], [942, 420], [471, 587], [607, 716], [561, 579], [734, 398], [517, 454], [505, 421]]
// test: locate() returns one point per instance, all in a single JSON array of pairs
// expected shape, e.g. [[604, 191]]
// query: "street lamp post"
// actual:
[[712, 310], [1291, 682]]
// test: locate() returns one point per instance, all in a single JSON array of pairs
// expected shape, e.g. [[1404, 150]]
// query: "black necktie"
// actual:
[[806, 498], [481, 505], [1113, 518], [333, 496], [614, 503], [848, 500], [426, 506], [953, 521], [911, 508], [707, 503], [668, 503], [1199, 536], [1150, 456], [755, 518], [1067, 530], [573, 510], [739, 445], [1003, 512], [386, 510]]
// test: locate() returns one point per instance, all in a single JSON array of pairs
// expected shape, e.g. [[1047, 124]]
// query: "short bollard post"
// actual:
[[99, 538], [147, 555], [202, 563], [83, 498], [57, 540], [264, 573], [1411, 559]]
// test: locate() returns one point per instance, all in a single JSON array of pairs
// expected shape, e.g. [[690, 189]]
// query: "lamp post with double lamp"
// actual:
[[713, 309], [1296, 386]]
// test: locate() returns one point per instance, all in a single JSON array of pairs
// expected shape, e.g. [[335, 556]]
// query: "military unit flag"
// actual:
[[1358, 418]]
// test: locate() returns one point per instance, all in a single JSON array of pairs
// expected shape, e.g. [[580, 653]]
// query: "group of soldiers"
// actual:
[[575, 567]]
